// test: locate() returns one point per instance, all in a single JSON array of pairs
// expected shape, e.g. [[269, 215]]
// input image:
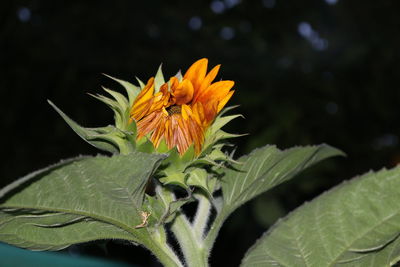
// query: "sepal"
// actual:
[[120, 138], [158, 79], [214, 134], [109, 138], [131, 90], [200, 178]]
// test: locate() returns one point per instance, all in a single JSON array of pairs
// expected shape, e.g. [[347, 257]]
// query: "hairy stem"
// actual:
[[190, 241], [192, 246], [202, 215], [163, 252], [213, 232]]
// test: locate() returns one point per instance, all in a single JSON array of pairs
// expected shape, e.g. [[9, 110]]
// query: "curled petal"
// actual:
[[183, 93], [143, 101]]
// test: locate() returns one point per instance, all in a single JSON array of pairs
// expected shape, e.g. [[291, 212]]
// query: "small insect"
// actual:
[[145, 216]]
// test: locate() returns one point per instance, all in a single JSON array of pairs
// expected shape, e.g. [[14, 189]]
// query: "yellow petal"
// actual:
[[186, 111], [198, 113], [223, 102], [145, 94]]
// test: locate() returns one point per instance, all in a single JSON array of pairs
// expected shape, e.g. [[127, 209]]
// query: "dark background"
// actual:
[[306, 72]]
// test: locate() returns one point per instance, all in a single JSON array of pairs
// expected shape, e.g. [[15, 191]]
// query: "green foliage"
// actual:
[[91, 198], [257, 173], [54, 231], [266, 168], [158, 79], [355, 224], [109, 138], [79, 200], [131, 90]]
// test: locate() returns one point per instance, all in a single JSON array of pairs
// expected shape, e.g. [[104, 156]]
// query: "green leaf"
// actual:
[[199, 178], [227, 109], [145, 145], [34, 175], [211, 140], [120, 98], [163, 207], [265, 168], [221, 122], [119, 112], [141, 84], [97, 137], [355, 224], [131, 90], [179, 76], [107, 190], [55, 231], [175, 178], [158, 80]]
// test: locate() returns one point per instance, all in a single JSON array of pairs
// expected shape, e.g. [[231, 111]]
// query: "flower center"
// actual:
[[174, 110]]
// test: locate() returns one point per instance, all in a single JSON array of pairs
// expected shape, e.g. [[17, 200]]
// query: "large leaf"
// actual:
[[265, 168], [104, 192], [54, 231], [355, 224]]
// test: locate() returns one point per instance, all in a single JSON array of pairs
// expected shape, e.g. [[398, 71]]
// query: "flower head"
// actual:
[[181, 117], [180, 110]]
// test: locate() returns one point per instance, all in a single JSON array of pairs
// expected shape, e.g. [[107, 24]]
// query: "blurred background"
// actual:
[[306, 72]]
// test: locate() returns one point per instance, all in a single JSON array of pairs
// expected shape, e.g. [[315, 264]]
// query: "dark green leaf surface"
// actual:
[[267, 167], [355, 224], [55, 231], [103, 192]]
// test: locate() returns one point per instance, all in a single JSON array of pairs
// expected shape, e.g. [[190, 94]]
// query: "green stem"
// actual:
[[213, 232], [163, 252], [202, 215], [192, 247], [190, 242]]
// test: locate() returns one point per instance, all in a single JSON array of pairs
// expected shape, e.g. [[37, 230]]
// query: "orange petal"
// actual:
[[144, 125], [158, 132], [173, 82], [160, 100], [210, 111], [197, 136], [197, 72], [207, 81], [150, 123], [146, 93], [217, 91], [140, 111], [198, 113], [186, 112], [168, 134], [223, 102], [183, 93], [143, 101]]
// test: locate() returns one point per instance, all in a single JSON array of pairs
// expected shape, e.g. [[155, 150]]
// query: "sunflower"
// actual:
[[180, 110]]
